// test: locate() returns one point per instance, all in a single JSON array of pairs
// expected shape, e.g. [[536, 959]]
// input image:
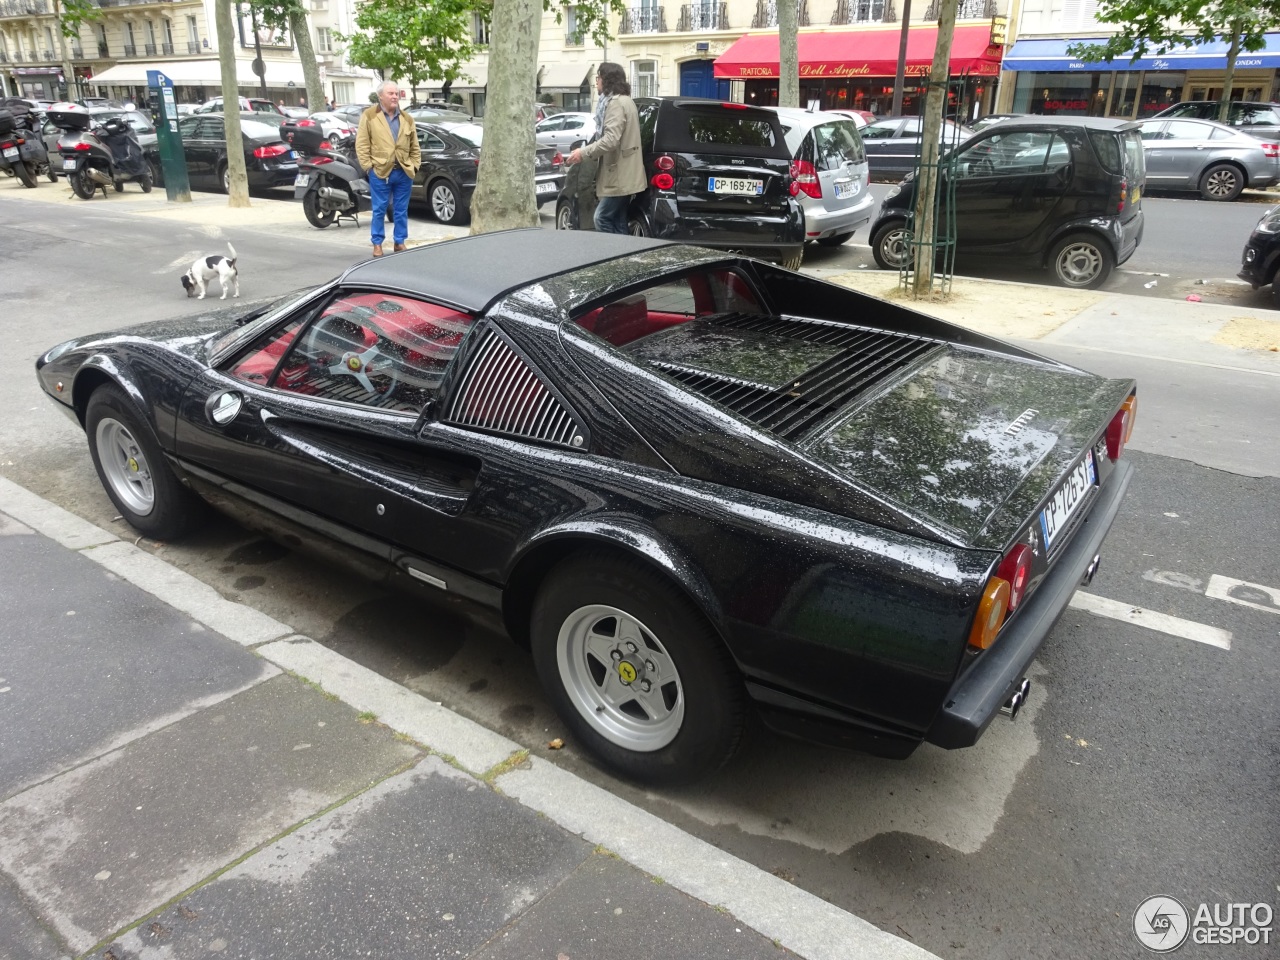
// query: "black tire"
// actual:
[[446, 205], [224, 178], [146, 183], [117, 186], [24, 174], [1082, 261], [50, 172], [637, 227], [1222, 181], [133, 468], [891, 245], [82, 186], [564, 216], [792, 261], [696, 693], [157, 174], [315, 216], [838, 240]]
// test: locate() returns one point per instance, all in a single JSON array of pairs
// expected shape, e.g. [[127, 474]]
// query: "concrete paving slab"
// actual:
[[608, 908], [22, 936], [429, 863], [110, 841], [134, 664], [51, 520]]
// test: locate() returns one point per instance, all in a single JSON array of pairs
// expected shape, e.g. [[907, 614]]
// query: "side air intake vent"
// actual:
[[500, 392]]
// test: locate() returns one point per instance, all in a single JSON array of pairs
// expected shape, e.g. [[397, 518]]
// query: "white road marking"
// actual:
[[1171, 578], [1220, 588], [1162, 622]]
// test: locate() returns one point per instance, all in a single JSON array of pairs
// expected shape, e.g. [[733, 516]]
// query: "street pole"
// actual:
[[257, 53], [900, 78], [68, 70]]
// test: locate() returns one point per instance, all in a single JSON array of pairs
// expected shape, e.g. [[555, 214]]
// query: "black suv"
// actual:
[[1261, 120], [719, 176], [1058, 192], [1260, 262]]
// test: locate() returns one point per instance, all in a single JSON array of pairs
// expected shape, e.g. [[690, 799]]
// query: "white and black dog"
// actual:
[[215, 267]]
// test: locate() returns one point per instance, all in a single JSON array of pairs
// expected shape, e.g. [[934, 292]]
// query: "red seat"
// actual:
[[623, 320]]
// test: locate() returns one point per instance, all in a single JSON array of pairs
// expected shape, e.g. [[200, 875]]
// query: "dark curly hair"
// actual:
[[614, 79]]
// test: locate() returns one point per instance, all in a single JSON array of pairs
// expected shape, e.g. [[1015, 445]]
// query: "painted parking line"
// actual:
[[1162, 622], [1244, 593]]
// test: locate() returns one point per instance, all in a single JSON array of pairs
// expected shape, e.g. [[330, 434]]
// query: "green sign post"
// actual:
[[173, 158]]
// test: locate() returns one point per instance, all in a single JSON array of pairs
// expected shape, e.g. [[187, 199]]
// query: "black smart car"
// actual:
[[1261, 258], [1063, 193], [719, 176]]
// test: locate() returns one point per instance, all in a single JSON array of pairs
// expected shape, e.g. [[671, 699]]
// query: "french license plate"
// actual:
[[848, 189], [10, 151], [302, 180], [735, 185], [548, 187], [68, 164], [1068, 497]]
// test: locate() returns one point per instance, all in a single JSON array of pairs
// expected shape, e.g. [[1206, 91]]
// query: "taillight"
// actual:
[[317, 161], [1015, 569], [804, 177], [306, 123], [991, 610], [81, 145], [665, 164], [734, 106], [1120, 429], [1272, 150], [1124, 193], [663, 181], [271, 150], [326, 145], [558, 159]]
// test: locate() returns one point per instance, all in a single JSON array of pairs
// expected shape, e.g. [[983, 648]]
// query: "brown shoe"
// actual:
[[398, 247], [377, 249]]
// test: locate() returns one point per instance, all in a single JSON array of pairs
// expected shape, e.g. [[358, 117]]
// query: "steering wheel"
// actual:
[[362, 365]]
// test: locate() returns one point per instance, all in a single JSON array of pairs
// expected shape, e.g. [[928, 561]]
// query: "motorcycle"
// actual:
[[22, 151], [98, 155], [330, 183]]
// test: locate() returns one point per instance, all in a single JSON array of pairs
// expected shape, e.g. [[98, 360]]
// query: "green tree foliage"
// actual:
[[74, 14], [290, 15], [412, 40]]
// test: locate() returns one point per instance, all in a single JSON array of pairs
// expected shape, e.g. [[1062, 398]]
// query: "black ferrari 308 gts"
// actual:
[[694, 484]]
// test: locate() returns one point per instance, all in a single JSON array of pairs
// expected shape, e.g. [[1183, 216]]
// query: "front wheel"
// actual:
[[49, 172], [564, 216], [1222, 181], [635, 671], [1081, 261], [446, 205], [133, 469], [146, 183], [315, 216], [117, 186], [24, 173], [637, 227], [891, 245], [224, 178], [81, 185]]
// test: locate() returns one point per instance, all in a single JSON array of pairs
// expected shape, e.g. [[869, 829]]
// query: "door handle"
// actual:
[[223, 407]]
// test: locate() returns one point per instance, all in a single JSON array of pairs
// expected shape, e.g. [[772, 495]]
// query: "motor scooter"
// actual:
[[22, 151], [98, 155], [329, 182]]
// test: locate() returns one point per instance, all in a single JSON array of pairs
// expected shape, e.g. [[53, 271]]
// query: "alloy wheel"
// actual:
[[125, 466]]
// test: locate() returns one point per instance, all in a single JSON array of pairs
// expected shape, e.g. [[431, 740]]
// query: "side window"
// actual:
[[572, 123], [430, 141], [836, 144], [1185, 130], [550, 124], [643, 313], [648, 120], [187, 127], [882, 130], [1152, 131], [373, 349]]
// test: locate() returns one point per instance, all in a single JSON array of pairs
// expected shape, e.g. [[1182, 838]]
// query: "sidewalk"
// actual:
[[182, 776]]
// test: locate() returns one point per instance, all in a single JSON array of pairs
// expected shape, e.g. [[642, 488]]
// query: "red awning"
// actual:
[[833, 55]]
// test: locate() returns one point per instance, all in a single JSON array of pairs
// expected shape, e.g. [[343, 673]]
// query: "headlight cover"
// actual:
[[1270, 222]]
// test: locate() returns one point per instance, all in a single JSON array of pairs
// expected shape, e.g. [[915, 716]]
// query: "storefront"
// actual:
[[1048, 80], [855, 69]]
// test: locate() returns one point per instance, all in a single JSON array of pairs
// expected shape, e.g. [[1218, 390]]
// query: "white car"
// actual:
[[563, 130], [333, 125]]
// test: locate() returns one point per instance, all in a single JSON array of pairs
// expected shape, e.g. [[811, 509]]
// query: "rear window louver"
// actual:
[[501, 392], [866, 357]]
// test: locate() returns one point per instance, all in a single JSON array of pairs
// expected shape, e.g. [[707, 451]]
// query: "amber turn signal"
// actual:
[[991, 610]]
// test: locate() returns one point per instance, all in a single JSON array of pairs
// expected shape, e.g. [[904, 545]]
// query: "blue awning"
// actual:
[[1050, 56]]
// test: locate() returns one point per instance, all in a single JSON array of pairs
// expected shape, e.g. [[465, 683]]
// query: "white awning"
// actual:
[[199, 73], [563, 77], [479, 73]]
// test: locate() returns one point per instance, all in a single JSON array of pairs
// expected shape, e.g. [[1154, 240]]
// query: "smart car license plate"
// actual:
[[302, 179], [847, 189], [1067, 499], [10, 151], [735, 185], [68, 164], [548, 187]]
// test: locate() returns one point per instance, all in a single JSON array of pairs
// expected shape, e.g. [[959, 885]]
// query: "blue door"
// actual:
[[697, 79]]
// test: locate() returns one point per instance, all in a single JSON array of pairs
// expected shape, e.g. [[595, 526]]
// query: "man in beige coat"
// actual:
[[388, 151], [621, 173]]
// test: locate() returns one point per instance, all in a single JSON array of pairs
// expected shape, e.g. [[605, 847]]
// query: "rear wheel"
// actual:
[[637, 227], [1222, 181], [564, 216], [146, 183], [792, 261], [224, 178], [48, 171], [446, 205], [1082, 261], [837, 240], [24, 173], [315, 216], [891, 245], [117, 186], [81, 185]]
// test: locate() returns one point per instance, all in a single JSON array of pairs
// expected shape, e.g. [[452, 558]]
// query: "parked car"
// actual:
[[1258, 119], [697, 486], [543, 110], [893, 144], [296, 113], [860, 117], [1209, 157], [1261, 256], [434, 115], [829, 169], [330, 124], [1063, 193], [247, 105], [719, 176], [269, 161], [450, 158], [977, 126], [563, 130], [138, 121]]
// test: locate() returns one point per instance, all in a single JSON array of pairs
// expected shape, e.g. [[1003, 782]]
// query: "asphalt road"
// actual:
[[1144, 764]]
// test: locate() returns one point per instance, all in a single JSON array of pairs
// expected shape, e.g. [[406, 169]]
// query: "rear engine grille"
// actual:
[[866, 357], [501, 392]]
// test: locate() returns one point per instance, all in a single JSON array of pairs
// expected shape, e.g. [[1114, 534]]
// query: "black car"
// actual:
[[450, 160], [695, 484], [1261, 120], [1261, 257], [893, 144], [1063, 193], [269, 161], [719, 176]]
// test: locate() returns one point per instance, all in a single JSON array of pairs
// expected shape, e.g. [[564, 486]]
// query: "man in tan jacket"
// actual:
[[388, 151], [621, 173]]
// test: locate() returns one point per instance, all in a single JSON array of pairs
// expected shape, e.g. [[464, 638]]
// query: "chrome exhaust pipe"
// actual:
[[97, 176], [1091, 571], [1015, 703]]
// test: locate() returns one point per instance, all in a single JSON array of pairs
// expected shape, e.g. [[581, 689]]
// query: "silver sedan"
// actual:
[[563, 130], [1205, 156]]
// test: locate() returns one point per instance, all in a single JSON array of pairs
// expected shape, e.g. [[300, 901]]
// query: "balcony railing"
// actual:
[[193, 46], [24, 8], [149, 49], [968, 10], [104, 52], [767, 14], [864, 11], [644, 20], [166, 49], [48, 55], [4, 57], [130, 50], [704, 16], [77, 52]]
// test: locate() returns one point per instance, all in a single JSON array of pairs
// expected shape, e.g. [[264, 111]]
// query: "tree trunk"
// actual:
[[1224, 106], [926, 226], [301, 31], [68, 71], [504, 197], [238, 194], [788, 54]]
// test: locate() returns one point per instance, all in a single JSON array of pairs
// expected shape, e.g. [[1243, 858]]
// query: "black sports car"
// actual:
[[694, 483]]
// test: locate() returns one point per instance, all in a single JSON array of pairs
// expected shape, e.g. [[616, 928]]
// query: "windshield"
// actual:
[[137, 121]]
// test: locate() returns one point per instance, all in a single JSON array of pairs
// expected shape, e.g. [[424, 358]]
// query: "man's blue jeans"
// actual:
[[396, 189], [611, 214]]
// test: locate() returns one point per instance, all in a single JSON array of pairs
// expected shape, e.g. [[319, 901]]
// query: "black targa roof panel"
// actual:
[[472, 272]]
